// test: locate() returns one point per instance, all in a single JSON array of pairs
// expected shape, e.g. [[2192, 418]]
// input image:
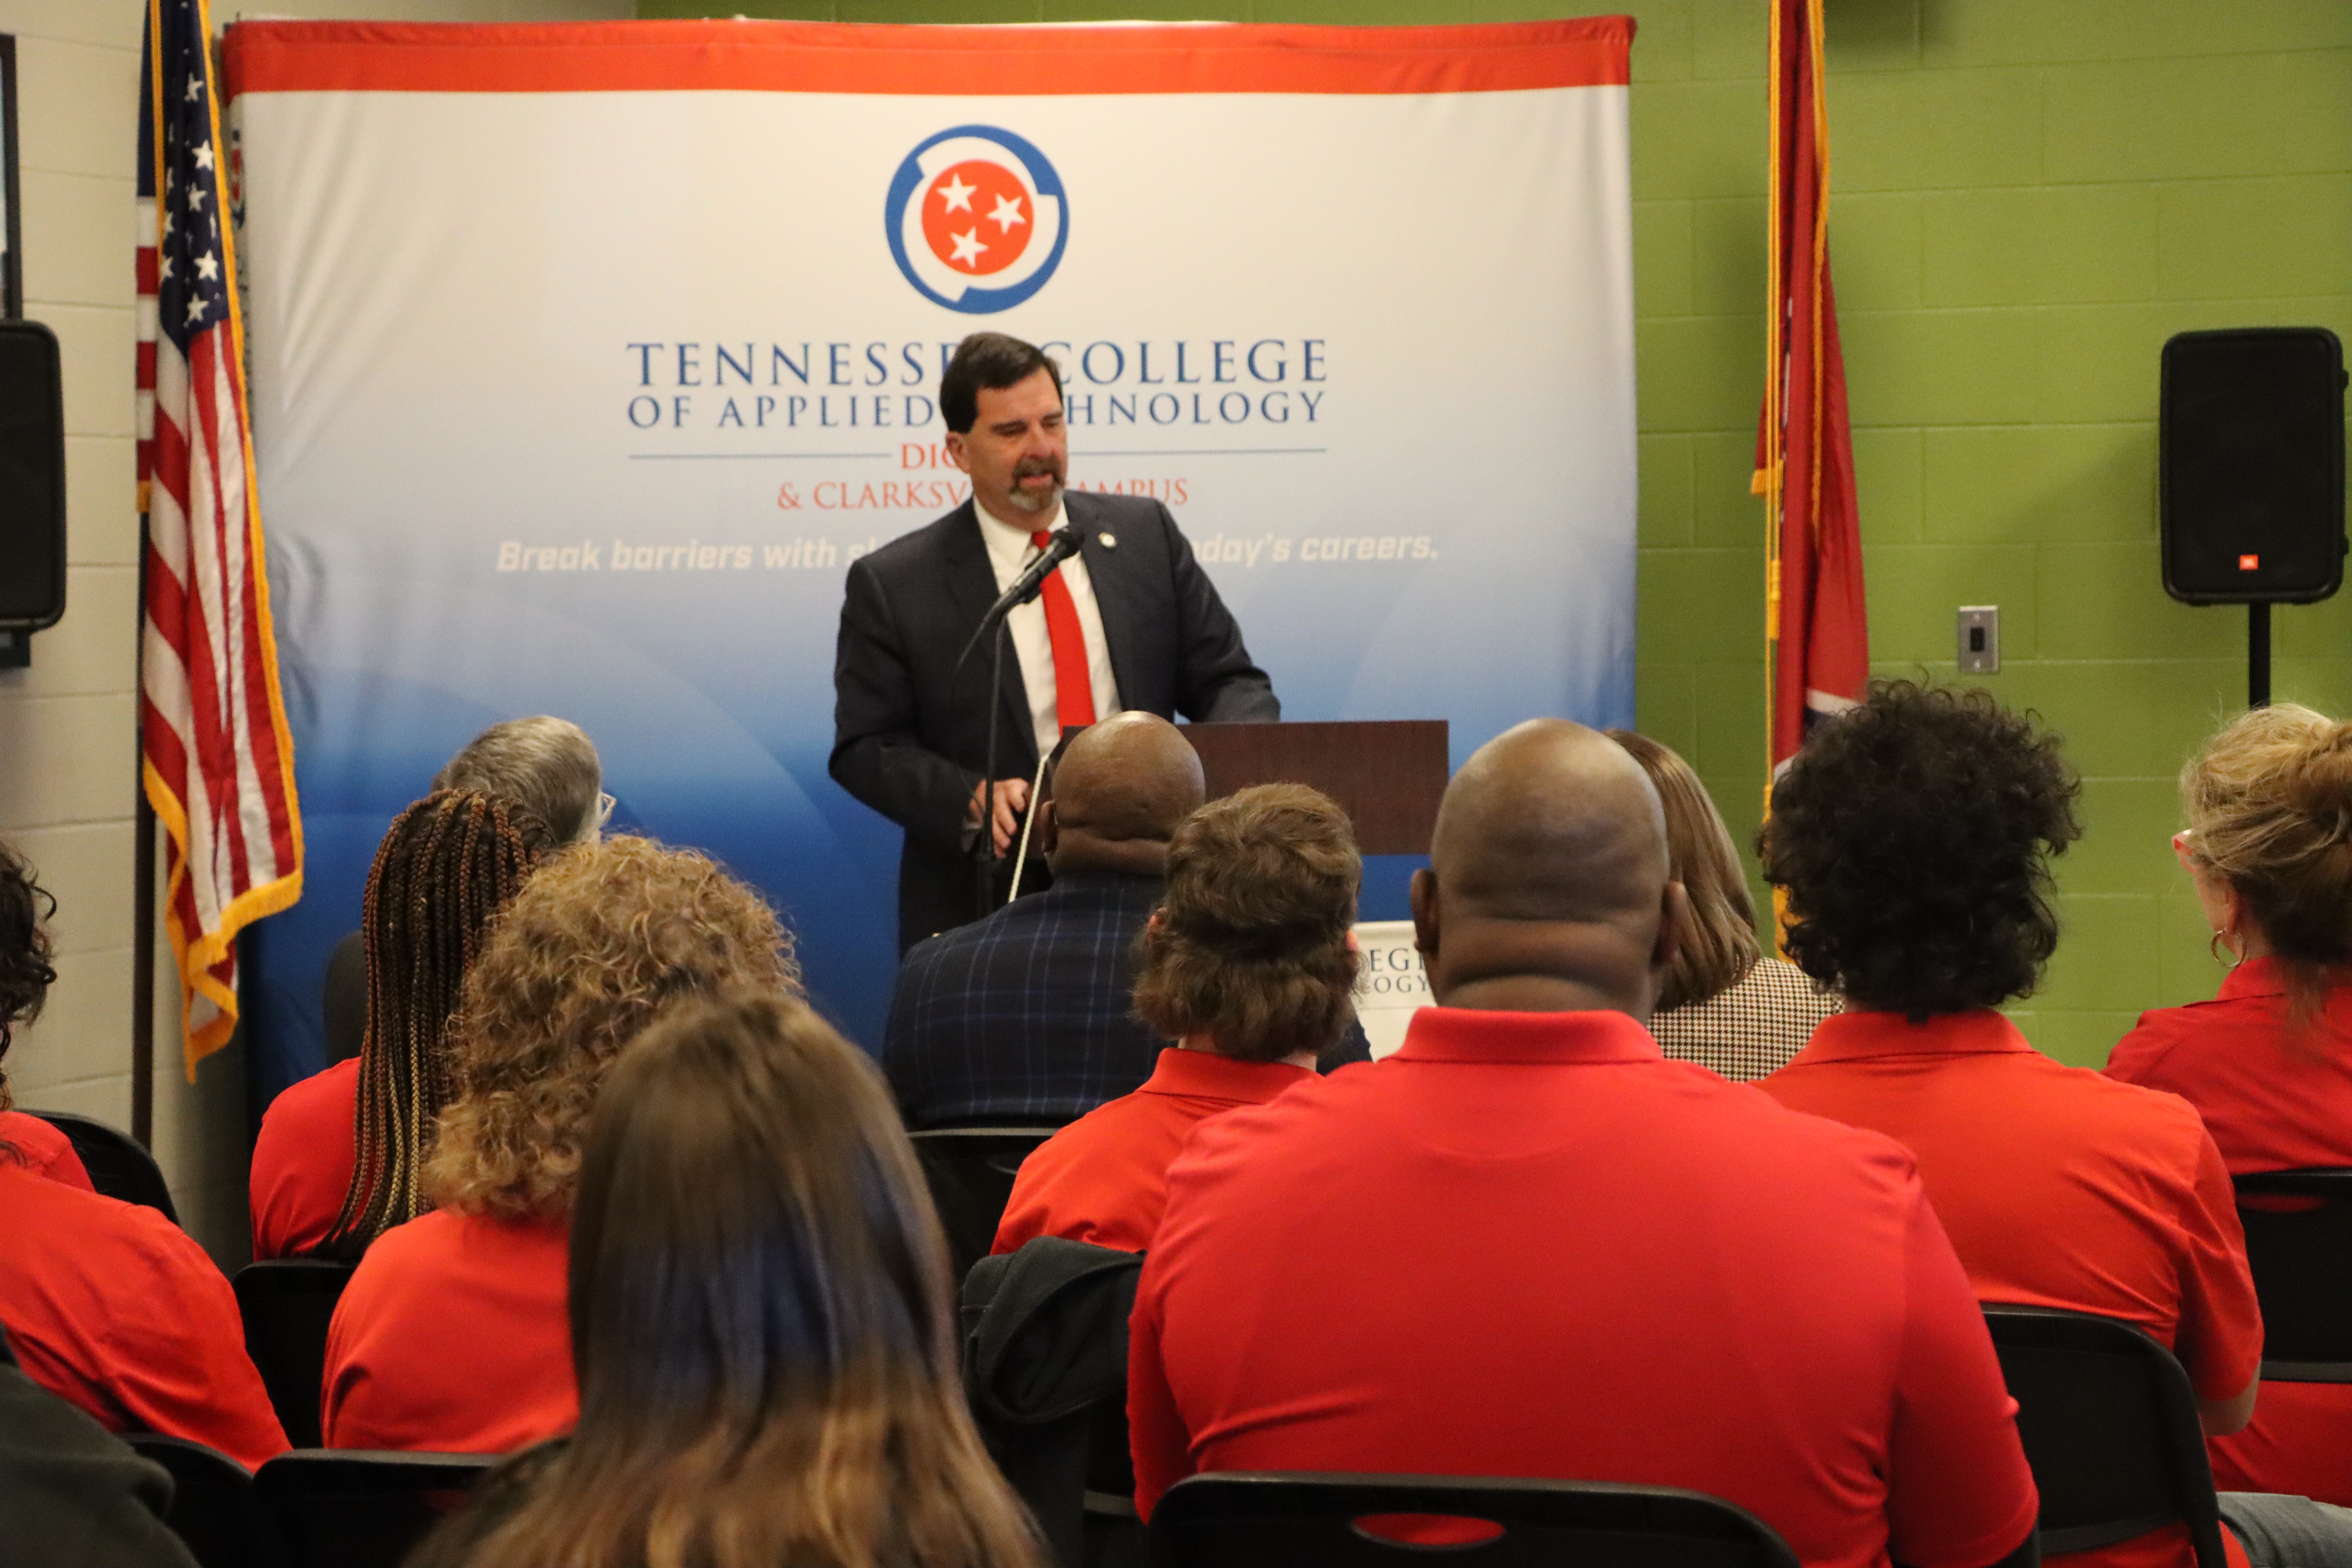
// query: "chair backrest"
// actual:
[[353, 1508], [2109, 1423], [970, 1170], [2300, 1246], [288, 1303], [1278, 1520], [1045, 1372], [119, 1166], [215, 1510]]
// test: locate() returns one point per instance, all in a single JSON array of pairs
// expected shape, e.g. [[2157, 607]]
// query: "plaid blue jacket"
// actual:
[[1024, 1018]]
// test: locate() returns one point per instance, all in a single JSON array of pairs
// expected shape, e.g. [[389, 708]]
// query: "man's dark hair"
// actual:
[[1250, 946], [1912, 835], [25, 972], [989, 361]]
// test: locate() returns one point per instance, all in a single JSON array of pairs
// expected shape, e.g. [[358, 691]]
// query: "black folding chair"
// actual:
[[1279, 1521], [356, 1508], [2301, 1253], [288, 1303], [1045, 1374], [215, 1510], [2109, 1423], [970, 1170], [119, 1166]]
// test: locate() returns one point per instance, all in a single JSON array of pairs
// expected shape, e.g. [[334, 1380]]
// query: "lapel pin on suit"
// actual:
[[1108, 541]]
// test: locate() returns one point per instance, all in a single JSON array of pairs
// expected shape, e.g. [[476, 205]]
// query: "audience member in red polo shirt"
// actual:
[[42, 1149], [110, 1306], [113, 1307], [1248, 962], [2268, 1063], [1912, 838], [1528, 1244], [447, 865], [452, 1334], [303, 1163]]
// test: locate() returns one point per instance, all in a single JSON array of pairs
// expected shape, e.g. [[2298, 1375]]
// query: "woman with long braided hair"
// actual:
[[340, 1155]]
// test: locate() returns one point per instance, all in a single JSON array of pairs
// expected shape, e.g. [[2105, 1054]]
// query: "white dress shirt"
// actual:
[[1009, 550]]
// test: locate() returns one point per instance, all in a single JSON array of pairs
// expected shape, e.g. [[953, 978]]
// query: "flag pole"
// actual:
[[142, 898], [142, 815], [1771, 470]]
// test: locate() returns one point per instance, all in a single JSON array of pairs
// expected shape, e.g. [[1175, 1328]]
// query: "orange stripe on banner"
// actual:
[[828, 57]]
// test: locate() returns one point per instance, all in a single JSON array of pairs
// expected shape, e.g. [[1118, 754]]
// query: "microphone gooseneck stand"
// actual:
[[984, 856], [1063, 543]]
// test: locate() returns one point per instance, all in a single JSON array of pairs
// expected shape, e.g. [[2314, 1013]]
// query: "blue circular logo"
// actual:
[[977, 219]]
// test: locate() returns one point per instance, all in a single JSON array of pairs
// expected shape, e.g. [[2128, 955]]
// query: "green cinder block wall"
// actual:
[[2029, 196]]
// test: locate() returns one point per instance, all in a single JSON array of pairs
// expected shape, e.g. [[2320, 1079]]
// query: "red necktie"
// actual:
[[1074, 688]]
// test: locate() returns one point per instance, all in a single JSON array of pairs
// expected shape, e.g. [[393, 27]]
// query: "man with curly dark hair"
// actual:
[[1528, 1244], [1912, 837]]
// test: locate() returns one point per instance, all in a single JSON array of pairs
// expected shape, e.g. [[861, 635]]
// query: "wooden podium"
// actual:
[[1388, 774]]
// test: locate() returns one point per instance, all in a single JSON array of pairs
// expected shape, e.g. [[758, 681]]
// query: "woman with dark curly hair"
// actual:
[[1912, 835], [2268, 1063], [1248, 964], [109, 1305], [763, 1326], [451, 1335]]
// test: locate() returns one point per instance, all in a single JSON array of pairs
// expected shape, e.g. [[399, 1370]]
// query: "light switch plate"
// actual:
[[1980, 640]]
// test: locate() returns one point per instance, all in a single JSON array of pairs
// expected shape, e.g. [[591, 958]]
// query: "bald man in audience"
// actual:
[[1027, 1017], [1528, 1244]]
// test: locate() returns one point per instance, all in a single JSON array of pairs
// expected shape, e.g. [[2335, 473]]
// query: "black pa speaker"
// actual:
[[32, 479], [2250, 443]]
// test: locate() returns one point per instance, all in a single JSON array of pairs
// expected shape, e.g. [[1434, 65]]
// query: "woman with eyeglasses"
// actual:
[[2268, 1062]]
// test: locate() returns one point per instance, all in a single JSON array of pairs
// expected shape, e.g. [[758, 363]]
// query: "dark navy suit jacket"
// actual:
[[910, 742], [1026, 1018]]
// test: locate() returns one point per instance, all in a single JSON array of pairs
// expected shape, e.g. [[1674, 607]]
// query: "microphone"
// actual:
[[1060, 545]]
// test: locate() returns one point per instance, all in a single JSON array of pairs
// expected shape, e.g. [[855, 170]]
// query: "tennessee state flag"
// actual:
[[1816, 626]]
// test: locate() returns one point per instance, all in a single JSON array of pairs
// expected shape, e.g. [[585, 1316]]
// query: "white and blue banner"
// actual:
[[584, 358]]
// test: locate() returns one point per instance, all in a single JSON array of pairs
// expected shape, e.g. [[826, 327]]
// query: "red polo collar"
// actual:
[[1204, 1075], [1849, 1037], [2255, 977], [1552, 1039]]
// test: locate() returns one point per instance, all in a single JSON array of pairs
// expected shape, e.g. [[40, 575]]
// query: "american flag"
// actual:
[[217, 760]]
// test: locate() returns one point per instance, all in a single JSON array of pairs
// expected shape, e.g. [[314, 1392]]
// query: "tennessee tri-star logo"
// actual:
[[977, 219]]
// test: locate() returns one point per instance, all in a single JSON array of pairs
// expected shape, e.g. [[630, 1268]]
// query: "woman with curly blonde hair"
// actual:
[[452, 1334]]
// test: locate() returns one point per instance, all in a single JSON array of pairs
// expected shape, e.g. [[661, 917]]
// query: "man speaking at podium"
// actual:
[[1129, 621]]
